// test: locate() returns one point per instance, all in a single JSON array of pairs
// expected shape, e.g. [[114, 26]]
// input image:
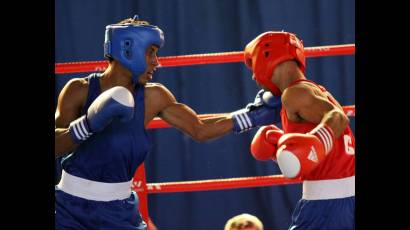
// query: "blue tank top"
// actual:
[[114, 154]]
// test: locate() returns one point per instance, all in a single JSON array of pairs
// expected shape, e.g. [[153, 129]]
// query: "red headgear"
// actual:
[[268, 50]]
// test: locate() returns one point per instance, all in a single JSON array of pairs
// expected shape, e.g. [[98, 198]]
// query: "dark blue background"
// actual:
[[208, 26]]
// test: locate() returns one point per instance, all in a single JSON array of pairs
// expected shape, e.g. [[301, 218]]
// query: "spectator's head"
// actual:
[[244, 222]]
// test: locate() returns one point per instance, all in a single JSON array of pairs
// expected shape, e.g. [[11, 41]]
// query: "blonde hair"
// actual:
[[243, 221], [133, 22]]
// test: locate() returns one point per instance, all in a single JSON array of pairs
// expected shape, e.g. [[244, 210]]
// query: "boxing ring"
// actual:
[[140, 184]]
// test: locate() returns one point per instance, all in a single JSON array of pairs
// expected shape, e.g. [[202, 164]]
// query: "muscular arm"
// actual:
[[68, 109], [306, 104], [185, 119]]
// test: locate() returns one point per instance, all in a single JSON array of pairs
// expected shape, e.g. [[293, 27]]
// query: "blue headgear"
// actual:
[[128, 43]]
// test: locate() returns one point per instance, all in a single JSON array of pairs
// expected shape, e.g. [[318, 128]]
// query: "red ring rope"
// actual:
[[200, 59], [219, 184]]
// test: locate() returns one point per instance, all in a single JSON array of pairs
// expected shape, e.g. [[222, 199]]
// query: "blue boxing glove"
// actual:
[[116, 102], [265, 110]]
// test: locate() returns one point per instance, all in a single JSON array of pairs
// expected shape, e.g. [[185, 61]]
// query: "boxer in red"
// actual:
[[316, 144]]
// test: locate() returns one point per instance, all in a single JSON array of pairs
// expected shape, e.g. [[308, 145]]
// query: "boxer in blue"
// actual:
[[100, 129]]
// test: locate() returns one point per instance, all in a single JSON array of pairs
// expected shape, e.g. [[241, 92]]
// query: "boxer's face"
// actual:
[[152, 63]]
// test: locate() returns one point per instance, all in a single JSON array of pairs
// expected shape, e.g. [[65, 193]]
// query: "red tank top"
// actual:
[[340, 162]]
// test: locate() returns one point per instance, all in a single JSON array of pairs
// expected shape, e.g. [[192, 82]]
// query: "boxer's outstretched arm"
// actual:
[[182, 117], [185, 119], [264, 110]]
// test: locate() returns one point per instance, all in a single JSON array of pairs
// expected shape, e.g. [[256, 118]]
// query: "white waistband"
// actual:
[[93, 190], [329, 189]]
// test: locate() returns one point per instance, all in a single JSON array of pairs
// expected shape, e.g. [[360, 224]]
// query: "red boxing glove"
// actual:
[[264, 143], [299, 154]]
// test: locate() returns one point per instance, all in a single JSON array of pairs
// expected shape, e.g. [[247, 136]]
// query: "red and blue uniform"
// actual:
[[328, 200]]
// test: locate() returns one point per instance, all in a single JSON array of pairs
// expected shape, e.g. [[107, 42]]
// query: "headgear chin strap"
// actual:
[[128, 43], [269, 49]]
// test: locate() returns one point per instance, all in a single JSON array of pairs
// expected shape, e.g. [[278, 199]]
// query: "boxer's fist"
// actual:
[[114, 103], [265, 110], [298, 154], [264, 143], [264, 97]]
